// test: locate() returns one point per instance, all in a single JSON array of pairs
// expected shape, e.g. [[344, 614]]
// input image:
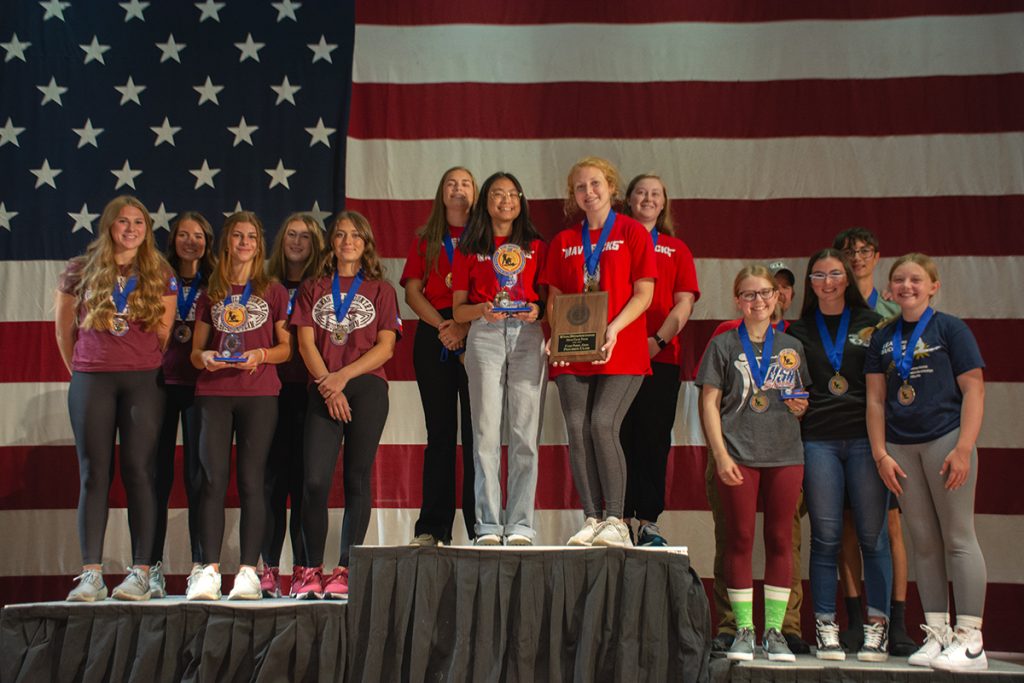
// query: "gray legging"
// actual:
[[594, 407], [941, 525]]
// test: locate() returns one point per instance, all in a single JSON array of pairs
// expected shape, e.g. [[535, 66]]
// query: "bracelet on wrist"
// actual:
[[659, 341]]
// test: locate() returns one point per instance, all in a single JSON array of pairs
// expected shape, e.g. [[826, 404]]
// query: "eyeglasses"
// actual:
[[863, 252], [818, 276], [498, 195], [765, 294]]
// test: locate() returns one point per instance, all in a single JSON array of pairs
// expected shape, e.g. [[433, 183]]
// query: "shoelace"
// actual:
[[774, 638], [828, 633], [88, 575], [873, 635], [939, 635]]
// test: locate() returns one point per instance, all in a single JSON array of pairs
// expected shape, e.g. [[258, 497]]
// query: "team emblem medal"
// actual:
[[789, 359], [591, 283], [905, 395], [119, 326], [182, 333], [837, 385], [233, 316], [759, 402], [339, 335], [448, 280]]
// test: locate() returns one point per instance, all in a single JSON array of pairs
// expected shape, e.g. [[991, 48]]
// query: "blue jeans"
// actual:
[[832, 469]]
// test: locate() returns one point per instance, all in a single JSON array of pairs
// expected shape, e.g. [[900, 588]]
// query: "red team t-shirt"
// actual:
[[374, 308], [436, 283], [676, 273], [628, 256], [177, 363], [262, 312], [294, 371], [474, 273], [102, 351]]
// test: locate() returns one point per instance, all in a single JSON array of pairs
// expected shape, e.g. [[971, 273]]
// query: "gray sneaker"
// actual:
[[776, 648], [157, 584], [743, 645], [135, 586], [90, 587], [426, 541]]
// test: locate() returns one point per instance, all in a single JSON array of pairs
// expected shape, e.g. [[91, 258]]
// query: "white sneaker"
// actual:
[[586, 535], [204, 585], [487, 539], [936, 640], [197, 570], [518, 539], [246, 586], [614, 533], [157, 584], [964, 653], [90, 587]]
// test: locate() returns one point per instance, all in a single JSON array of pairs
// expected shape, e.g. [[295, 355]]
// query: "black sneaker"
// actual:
[[876, 643], [797, 645], [721, 643]]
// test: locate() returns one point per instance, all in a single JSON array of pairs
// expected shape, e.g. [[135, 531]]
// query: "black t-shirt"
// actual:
[[828, 416]]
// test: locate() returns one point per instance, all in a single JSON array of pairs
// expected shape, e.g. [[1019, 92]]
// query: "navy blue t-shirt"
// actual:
[[946, 350]]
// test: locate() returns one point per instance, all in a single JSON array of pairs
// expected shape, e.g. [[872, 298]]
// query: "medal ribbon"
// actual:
[[904, 360], [654, 236], [758, 370], [185, 303], [449, 248], [120, 296], [873, 297], [592, 254], [833, 348], [341, 306], [780, 326], [291, 300], [246, 293]]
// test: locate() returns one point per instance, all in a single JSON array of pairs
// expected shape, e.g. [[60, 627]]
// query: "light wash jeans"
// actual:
[[507, 372]]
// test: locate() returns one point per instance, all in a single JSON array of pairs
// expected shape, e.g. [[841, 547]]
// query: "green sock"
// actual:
[[775, 601], [742, 601]]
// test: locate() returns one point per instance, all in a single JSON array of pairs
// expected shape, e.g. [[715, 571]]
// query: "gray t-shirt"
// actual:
[[771, 438]]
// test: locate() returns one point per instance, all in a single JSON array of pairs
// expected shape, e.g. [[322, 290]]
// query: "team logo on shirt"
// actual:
[[360, 314], [610, 245], [861, 337], [921, 350], [662, 249], [235, 321]]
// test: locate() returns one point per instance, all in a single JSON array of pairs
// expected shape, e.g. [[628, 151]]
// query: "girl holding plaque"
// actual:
[[114, 311], [496, 292], [925, 402], [440, 374], [190, 253], [607, 252], [297, 254], [647, 430], [241, 332], [835, 328], [753, 434], [348, 324]]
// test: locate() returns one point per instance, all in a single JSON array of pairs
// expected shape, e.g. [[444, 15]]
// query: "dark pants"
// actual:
[[284, 477], [180, 406], [646, 436]]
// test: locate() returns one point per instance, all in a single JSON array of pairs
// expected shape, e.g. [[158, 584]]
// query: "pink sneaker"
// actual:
[[312, 584], [297, 573], [270, 582], [336, 587]]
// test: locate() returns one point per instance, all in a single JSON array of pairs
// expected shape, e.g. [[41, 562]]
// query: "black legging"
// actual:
[[180, 405], [444, 393], [646, 436], [102, 404], [368, 397], [284, 477], [252, 419]]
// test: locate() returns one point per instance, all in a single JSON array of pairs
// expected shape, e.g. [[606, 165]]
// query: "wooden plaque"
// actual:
[[578, 323]]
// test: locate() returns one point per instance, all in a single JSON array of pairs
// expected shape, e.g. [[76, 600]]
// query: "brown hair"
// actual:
[[611, 174], [220, 283], [370, 262], [277, 265], [208, 261], [663, 223], [432, 233]]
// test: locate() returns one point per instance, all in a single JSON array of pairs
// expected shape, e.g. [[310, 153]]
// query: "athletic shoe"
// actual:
[[488, 539], [157, 584], [650, 536], [90, 587], [876, 643], [293, 586], [721, 643], [518, 539], [336, 587], [775, 647], [426, 541], [829, 647], [797, 645], [964, 653], [585, 536], [270, 582], [742, 648], [312, 585], [204, 585], [197, 570], [936, 640], [246, 585], [613, 533], [135, 586]]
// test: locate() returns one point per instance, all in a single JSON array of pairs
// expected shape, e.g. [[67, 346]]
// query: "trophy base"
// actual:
[[510, 309], [230, 359], [786, 395]]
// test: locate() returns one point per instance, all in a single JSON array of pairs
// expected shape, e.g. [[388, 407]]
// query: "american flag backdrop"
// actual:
[[773, 125]]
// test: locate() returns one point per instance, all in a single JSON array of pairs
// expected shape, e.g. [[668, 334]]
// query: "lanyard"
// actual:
[[120, 295], [341, 306], [833, 348], [904, 359], [592, 255], [185, 303], [758, 370], [246, 293], [873, 297]]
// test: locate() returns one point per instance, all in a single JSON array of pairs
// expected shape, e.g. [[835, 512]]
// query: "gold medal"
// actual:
[[789, 359], [591, 283], [182, 333], [759, 402], [448, 280], [837, 385], [339, 336], [905, 395], [233, 316], [119, 326]]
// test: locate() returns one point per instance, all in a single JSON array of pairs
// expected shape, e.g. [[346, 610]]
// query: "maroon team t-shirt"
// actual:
[[474, 273], [437, 287], [102, 351], [262, 312], [177, 363], [676, 273], [374, 308]]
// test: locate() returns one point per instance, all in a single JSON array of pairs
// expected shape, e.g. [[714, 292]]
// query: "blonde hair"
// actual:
[[277, 264], [370, 262], [752, 270], [611, 175], [100, 272], [663, 223], [220, 281], [920, 259]]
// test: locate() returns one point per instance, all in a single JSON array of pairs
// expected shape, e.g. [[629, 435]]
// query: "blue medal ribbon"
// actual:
[[654, 236], [592, 254], [246, 293], [833, 348], [341, 306], [185, 303], [780, 326], [873, 297], [758, 370], [291, 300], [449, 248], [904, 360], [120, 295]]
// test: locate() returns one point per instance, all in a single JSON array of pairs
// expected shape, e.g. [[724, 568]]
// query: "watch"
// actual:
[[659, 341]]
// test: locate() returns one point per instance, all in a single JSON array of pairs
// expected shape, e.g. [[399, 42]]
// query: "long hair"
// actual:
[[479, 235], [663, 223], [207, 262], [100, 272], [432, 233], [369, 262], [607, 168], [851, 297], [277, 265], [220, 281]]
